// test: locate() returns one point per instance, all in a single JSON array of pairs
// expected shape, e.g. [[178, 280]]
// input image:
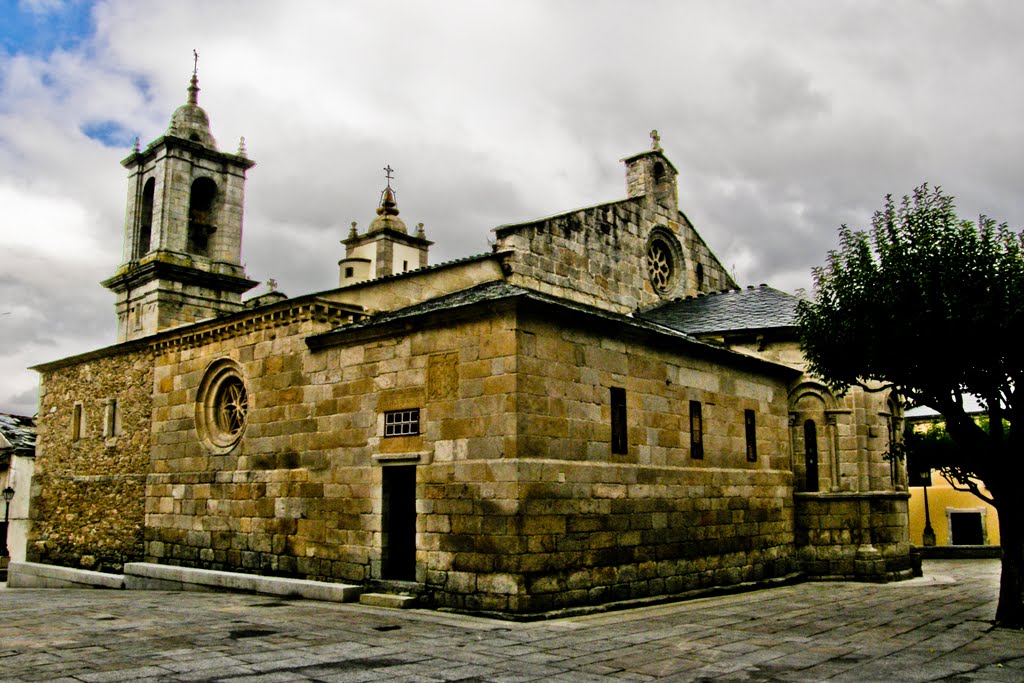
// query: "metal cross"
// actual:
[[195, 62], [387, 173], [272, 285]]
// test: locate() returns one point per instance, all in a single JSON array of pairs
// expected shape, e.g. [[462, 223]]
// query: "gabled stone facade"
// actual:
[[545, 426]]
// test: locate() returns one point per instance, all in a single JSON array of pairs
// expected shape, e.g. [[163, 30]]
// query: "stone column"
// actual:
[[794, 420], [833, 442]]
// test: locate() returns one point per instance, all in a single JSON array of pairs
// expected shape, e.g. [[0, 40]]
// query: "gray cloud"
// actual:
[[785, 120]]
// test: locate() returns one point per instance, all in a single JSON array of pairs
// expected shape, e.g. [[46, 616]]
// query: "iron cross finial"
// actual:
[[195, 62], [272, 285], [387, 173], [655, 140]]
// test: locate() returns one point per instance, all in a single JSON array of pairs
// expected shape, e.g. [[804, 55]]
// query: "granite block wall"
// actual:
[[92, 457]]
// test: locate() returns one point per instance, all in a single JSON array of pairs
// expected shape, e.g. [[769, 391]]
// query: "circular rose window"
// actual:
[[222, 406], [663, 259]]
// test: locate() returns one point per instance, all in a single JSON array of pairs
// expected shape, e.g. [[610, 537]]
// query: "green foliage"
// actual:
[[923, 301], [931, 306], [935, 449]]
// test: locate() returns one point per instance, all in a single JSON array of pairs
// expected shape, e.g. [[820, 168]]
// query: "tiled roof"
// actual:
[[753, 308], [17, 434]]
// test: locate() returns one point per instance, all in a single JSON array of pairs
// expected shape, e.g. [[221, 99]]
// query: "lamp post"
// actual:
[[8, 495], [928, 538]]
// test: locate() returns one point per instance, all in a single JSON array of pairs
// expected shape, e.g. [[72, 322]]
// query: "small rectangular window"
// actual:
[[696, 431], [348, 272], [405, 266], [620, 442], [402, 422], [111, 418], [751, 428], [76, 422]]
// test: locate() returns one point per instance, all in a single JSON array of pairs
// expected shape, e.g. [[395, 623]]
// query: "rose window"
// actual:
[[660, 266], [231, 406], [222, 406]]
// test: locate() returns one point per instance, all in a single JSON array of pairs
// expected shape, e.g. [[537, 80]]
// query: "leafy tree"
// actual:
[[932, 306]]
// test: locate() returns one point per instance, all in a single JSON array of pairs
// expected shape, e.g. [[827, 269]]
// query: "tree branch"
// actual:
[[969, 485]]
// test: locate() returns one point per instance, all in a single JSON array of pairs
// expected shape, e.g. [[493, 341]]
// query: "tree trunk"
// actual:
[[1010, 612]]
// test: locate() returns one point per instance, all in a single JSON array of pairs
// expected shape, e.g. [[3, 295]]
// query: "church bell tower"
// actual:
[[181, 261]]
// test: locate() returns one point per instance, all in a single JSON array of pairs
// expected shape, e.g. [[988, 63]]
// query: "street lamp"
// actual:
[[8, 495]]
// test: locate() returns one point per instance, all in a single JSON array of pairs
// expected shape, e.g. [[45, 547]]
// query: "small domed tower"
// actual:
[[386, 248], [183, 228]]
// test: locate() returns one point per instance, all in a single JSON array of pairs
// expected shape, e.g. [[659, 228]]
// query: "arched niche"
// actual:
[[812, 436]]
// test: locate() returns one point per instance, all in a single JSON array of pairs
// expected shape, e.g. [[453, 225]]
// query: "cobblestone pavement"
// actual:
[[930, 629]]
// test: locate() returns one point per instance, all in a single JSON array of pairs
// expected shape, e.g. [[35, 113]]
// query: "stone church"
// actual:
[[591, 412]]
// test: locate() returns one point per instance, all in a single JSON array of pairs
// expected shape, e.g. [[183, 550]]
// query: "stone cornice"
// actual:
[[170, 142], [850, 495], [404, 238], [245, 321], [134, 275], [274, 315]]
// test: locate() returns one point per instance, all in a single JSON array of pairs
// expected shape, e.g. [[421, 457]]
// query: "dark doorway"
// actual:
[[399, 542], [965, 528], [811, 455]]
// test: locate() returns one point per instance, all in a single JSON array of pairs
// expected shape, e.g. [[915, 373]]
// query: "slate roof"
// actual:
[[493, 291], [17, 435], [753, 308], [488, 291]]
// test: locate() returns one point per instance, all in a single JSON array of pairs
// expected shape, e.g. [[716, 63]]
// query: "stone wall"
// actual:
[[562, 521], [520, 505], [87, 493], [300, 494], [853, 535], [594, 526], [597, 256]]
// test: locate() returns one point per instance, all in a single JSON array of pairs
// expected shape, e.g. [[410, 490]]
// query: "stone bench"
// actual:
[[147, 576]]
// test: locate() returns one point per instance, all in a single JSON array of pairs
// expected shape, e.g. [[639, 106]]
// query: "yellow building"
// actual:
[[957, 518]]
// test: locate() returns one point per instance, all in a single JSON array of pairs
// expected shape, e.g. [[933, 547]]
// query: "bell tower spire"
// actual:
[[183, 227]]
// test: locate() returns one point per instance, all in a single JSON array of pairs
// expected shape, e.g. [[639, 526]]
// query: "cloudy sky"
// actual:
[[785, 119]]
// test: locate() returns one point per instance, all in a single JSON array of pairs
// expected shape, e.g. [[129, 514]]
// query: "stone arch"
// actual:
[[810, 416], [145, 233]]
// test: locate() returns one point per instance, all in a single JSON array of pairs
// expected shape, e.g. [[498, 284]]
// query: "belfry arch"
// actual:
[[145, 235], [201, 215]]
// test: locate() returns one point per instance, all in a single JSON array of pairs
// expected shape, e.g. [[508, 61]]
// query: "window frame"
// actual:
[[750, 429], [402, 422], [696, 430], [77, 421], [619, 421]]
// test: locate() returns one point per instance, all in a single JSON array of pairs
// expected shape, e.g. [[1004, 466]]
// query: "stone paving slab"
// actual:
[[932, 629]]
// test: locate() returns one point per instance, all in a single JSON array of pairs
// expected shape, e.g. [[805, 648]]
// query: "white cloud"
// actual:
[[785, 120]]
